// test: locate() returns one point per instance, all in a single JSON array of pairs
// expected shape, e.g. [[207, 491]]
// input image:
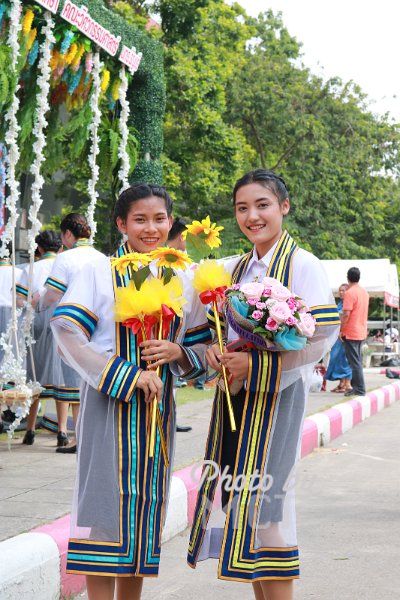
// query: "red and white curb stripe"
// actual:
[[32, 565], [380, 370], [325, 426]]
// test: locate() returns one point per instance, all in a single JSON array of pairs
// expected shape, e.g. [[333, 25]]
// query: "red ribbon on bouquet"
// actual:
[[215, 295], [167, 316], [136, 324]]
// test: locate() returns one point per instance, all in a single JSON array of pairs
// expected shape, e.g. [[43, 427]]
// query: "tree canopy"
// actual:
[[239, 97]]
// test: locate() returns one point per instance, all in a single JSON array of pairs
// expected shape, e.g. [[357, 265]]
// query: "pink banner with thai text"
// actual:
[[51, 5], [81, 18]]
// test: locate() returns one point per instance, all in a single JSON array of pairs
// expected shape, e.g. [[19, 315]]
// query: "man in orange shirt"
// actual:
[[353, 331]]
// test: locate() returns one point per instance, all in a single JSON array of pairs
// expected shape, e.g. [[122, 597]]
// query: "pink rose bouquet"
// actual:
[[269, 315]]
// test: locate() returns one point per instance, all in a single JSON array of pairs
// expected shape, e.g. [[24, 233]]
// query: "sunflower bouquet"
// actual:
[[148, 305], [210, 281]]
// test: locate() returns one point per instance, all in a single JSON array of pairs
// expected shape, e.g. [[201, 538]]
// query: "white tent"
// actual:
[[378, 277], [392, 293]]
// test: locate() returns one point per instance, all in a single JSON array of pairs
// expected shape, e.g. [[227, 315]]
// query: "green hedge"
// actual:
[[146, 93]]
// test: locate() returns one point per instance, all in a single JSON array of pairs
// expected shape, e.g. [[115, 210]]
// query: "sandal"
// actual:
[[339, 389]]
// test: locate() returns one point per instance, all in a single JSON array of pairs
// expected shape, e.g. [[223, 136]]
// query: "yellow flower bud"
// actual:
[[78, 56], [31, 38], [27, 21], [71, 54], [105, 81], [55, 57], [115, 90]]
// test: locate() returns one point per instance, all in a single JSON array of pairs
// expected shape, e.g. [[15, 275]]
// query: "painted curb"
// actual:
[[29, 567], [381, 370], [33, 564]]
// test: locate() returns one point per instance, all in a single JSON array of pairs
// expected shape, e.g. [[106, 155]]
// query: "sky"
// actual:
[[356, 40]]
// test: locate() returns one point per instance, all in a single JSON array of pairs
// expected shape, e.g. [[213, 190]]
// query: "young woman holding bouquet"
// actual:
[[253, 534], [121, 488]]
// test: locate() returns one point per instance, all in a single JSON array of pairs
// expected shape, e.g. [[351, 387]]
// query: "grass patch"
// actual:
[[190, 394]]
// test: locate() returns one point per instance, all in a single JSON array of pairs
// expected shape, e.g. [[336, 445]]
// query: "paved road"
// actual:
[[348, 497], [36, 484]]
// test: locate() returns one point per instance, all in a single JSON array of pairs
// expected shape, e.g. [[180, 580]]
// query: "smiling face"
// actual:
[[259, 215], [147, 224]]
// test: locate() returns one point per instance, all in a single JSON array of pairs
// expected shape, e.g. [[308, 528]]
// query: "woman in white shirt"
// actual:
[[46, 362], [121, 493], [75, 236], [252, 531]]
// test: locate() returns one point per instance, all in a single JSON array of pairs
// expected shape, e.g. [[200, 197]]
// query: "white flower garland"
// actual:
[[42, 107], [12, 367], [123, 172], [94, 137], [11, 137]]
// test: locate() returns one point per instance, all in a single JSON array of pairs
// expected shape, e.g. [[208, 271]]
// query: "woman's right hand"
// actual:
[[151, 385], [213, 356]]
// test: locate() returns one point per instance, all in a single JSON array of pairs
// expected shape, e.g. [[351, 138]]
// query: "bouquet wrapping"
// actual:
[[269, 316]]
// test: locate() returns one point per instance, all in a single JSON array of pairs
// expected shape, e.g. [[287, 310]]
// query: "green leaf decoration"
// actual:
[[168, 273], [140, 276], [114, 146], [196, 247]]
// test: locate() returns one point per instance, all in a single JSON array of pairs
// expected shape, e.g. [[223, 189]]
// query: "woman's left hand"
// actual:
[[237, 364], [160, 352]]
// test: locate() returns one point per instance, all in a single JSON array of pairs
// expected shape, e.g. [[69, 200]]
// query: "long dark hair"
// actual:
[[139, 191], [266, 178], [49, 240], [76, 224]]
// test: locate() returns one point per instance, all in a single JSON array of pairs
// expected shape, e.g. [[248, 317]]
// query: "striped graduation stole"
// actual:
[[240, 558], [142, 483], [82, 242]]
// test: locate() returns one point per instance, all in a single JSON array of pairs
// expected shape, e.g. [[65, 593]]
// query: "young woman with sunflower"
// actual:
[[122, 488]]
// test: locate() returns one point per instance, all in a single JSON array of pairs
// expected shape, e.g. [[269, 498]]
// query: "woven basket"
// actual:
[[12, 395]]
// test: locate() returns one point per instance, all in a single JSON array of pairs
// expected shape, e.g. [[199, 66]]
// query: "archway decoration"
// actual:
[[55, 48]]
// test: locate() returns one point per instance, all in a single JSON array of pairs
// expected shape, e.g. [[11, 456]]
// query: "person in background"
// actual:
[[75, 236], [338, 367], [44, 353], [5, 316], [378, 337], [393, 334], [353, 330]]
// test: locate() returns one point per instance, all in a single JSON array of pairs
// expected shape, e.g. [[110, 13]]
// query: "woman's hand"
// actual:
[[213, 356], [237, 364], [160, 352], [35, 299], [150, 383]]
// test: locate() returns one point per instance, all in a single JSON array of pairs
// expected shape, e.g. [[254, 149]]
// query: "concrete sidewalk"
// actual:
[[36, 483], [348, 511]]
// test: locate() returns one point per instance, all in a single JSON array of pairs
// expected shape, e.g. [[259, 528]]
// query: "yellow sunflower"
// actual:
[[208, 229], [136, 260], [170, 258]]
